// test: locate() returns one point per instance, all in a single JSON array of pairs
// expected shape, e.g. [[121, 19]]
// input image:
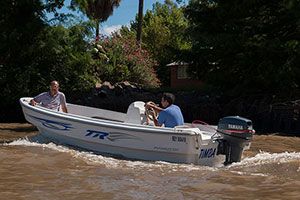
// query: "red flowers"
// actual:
[[123, 59]]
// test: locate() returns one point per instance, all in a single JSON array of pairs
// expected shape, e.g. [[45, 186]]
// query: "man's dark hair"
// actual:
[[169, 97]]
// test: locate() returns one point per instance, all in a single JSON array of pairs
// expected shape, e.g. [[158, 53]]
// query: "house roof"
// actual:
[[176, 64]]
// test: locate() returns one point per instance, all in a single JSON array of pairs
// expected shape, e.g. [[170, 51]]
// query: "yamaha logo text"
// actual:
[[234, 126]]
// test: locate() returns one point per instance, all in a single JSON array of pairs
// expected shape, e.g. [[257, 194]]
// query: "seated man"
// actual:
[[52, 99], [171, 116]]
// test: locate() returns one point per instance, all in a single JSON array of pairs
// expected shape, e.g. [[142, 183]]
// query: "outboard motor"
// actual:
[[236, 133]]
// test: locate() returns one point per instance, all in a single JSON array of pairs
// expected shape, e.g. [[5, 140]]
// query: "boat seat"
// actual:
[[136, 113]]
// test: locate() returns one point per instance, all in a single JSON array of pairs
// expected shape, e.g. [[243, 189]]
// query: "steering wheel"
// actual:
[[147, 112]]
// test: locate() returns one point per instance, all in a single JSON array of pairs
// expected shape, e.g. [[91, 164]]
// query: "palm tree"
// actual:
[[96, 10]]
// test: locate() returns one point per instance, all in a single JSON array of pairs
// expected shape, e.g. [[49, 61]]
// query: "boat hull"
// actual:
[[179, 145]]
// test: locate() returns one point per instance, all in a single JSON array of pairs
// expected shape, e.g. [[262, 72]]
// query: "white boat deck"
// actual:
[[135, 115]]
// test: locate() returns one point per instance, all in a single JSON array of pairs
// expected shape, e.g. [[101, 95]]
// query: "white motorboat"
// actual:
[[133, 136]]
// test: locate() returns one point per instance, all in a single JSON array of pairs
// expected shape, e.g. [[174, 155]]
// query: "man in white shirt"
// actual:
[[52, 99]]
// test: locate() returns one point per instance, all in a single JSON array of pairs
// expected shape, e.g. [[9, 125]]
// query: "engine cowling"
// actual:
[[235, 134]]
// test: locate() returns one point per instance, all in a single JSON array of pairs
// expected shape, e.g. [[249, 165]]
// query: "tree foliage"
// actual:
[[163, 35], [20, 25], [56, 54], [247, 44], [96, 10], [32, 53], [61, 53]]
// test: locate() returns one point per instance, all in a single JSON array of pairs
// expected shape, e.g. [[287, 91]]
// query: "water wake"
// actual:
[[263, 158], [92, 158]]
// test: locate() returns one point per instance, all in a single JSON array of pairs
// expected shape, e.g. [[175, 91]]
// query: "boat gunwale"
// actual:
[[104, 123]]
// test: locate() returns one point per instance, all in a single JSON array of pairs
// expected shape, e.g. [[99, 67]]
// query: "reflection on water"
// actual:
[[40, 169]]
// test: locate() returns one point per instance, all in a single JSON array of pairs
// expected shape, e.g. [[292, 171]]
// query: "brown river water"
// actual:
[[44, 170]]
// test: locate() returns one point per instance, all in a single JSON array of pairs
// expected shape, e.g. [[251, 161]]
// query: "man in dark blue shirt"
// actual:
[[170, 116]]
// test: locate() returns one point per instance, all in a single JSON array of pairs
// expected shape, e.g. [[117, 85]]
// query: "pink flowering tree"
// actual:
[[119, 59]]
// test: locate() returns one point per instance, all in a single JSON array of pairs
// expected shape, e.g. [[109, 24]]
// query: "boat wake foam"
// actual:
[[262, 158], [267, 164], [94, 158]]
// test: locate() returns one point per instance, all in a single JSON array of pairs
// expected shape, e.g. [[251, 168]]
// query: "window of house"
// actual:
[[182, 72]]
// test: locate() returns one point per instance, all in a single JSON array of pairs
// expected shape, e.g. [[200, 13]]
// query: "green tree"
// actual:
[[163, 35], [249, 45], [32, 53], [21, 23], [61, 53], [96, 10], [57, 53]]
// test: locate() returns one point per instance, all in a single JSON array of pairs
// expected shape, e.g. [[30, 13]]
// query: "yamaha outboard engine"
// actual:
[[236, 133]]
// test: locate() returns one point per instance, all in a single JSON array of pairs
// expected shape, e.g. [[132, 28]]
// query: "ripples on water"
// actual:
[[44, 170]]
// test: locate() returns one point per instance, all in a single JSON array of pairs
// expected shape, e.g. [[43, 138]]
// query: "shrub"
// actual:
[[119, 59]]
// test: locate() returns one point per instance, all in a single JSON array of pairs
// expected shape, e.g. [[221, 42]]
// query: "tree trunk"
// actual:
[[97, 29], [140, 22]]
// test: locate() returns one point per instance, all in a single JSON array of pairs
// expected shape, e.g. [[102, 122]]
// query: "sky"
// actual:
[[122, 15], [125, 13]]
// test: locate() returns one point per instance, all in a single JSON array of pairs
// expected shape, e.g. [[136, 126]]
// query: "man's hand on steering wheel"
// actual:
[[150, 111]]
